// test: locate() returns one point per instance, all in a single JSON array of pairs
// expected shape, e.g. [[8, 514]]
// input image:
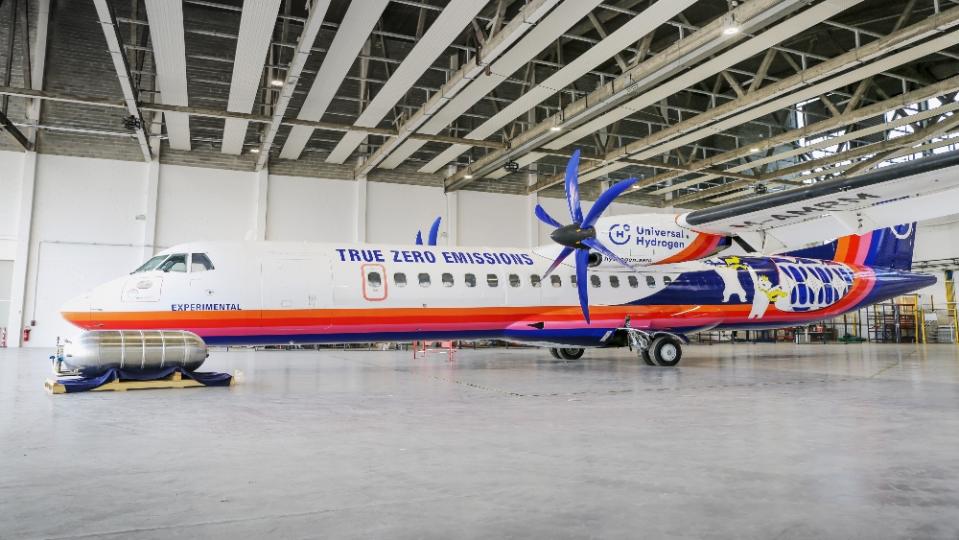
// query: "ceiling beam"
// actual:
[[112, 34], [870, 58], [249, 117], [10, 129], [355, 29], [447, 26], [811, 130], [614, 100], [169, 56], [257, 21], [475, 79], [304, 45], [883, 150], [643, 24]]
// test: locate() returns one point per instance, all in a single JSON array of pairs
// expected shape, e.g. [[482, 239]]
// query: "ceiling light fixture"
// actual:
[[276, 82], [730, 26], [555, 129]]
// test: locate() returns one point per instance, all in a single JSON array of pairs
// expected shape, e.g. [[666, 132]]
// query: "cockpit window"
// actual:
[[152, 264], [199, 262], [175, 263]]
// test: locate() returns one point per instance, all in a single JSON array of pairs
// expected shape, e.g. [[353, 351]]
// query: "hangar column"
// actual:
[[262, 201], [532, 224], [452, 212], [28, 179], [359, 230], [150, 207]]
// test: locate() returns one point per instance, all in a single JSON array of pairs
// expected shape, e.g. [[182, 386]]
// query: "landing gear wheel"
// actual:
[[665, 351], [570, 354], [646, 358], [555, 353]]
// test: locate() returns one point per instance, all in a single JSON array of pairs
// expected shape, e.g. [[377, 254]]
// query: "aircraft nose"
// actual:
[[77, 310]]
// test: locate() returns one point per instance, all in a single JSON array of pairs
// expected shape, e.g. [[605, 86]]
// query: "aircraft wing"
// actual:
[[914, 191]]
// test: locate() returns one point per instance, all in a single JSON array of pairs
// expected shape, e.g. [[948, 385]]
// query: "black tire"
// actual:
[[555, 353], [666, 351], [571, 354], [645, 356]]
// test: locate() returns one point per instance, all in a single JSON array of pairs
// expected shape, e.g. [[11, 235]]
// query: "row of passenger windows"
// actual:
[[375, 279]]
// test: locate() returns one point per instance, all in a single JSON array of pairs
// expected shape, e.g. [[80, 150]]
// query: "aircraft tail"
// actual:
[[889, 247]]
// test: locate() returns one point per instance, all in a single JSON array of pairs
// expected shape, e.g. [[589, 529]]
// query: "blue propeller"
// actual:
[[580, 235], [434, 233]]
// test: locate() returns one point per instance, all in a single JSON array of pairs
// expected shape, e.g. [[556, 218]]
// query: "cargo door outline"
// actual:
[[296, 295]]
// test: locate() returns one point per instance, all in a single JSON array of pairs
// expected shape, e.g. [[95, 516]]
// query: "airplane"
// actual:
[[644, 281]]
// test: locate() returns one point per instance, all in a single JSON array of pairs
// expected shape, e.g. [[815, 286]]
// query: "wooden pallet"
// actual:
[[175, 380]]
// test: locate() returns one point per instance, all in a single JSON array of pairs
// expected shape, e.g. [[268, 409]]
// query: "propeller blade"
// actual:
[[562, 256], [598, 246], [582, 263], [605, 200], [434, 232], [572, 188], [546, 218], [419, 238]]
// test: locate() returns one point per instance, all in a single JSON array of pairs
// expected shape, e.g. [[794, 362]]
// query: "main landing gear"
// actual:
[[567, 353], [658, 349]]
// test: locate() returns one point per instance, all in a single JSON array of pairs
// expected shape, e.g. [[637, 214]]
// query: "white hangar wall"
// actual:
[[93, 220]]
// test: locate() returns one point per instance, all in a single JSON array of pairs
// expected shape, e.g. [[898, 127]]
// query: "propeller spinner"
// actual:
[[580, 235]]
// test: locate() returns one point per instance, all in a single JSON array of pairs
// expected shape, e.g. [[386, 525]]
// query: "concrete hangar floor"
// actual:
[[741, 441]]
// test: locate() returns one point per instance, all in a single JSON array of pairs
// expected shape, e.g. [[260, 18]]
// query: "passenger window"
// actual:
[[614, 281], [633, 282], [374, 279], [595, 281], [667, 280], [651, 281], [514, 280], [470, 280], [535, 280], [199, 262], [447, 279], [424, 279], [556, 281], [399, 279], [572, 280], [176, 263], [492, 280]]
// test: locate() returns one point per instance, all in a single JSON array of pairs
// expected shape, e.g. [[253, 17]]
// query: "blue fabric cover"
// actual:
[[82, 384]]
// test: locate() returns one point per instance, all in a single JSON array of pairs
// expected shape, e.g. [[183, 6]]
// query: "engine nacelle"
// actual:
[[95, 352], [648, 239]]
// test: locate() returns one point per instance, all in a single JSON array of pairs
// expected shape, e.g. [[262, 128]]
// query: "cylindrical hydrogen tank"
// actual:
[[96, 351]]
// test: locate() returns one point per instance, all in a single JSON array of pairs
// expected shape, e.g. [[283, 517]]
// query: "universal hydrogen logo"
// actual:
[[619, 234]]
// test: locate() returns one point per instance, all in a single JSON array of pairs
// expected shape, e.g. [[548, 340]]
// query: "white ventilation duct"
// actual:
[[252, 46], [447, 26], [169, 55], [626, 35], [353, 32]]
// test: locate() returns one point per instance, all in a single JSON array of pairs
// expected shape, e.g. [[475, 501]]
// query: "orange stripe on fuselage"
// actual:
[[702, 244]]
